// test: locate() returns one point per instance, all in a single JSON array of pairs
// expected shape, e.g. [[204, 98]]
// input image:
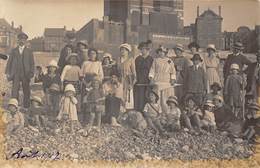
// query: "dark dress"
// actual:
[[253, 79], [63, 54], [142, 67]]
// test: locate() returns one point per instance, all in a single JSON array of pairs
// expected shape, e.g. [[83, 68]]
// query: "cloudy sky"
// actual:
[[35, 15]]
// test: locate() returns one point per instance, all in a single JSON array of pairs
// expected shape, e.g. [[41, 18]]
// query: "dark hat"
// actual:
[[162, 48], [238, 45], [70, 35], [193, 44], [83, 42], [215, 84], [3, 56], [196, 57], [22, 36], [146, 44]]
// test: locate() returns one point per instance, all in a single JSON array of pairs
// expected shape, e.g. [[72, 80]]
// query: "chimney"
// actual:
[[21, 28], [198, 11], [12, 24], [219, 10]]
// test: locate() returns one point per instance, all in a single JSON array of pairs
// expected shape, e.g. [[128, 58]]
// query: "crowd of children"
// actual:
[[87, 93]]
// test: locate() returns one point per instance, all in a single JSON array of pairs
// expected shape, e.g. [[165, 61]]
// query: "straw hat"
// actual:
[[36, 99], [196, 57], [209, 103], [234, 66], [70, 87], [53, 63], [13, 102], [172, 99], [107, 55], [72, 55], [212, 47], [126, 46], [179, 47]]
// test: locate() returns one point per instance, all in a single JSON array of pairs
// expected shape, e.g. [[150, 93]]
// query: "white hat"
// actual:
[[53, 63], [37, 99], [209, 103], [107, 55], [211, 46], [179, 46], [70, 87], [13, 101], [234, 66], [126, 46]]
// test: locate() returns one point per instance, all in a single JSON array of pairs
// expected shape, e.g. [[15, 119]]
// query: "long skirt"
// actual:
[[140, 96]]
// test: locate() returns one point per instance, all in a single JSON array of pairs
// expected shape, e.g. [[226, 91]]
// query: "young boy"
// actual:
[[152, 113], [13, 118], [208, 119], [234, 86], [196, 81], [173, 114], [191, 115]]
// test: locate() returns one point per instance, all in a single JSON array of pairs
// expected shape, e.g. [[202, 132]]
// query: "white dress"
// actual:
[[93, 67]]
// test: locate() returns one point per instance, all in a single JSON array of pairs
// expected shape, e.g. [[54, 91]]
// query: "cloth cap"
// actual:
[[173, 99], [72, 55], [211, 46], [13, 102], [126, 46], [179, 46], [70, 87], [234, 66], [37, 99], [53, 63], [22, 36]]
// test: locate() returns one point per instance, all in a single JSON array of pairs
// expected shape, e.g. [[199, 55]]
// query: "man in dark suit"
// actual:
[[253, 77], [20, 69], [235, 58], [67, 50]]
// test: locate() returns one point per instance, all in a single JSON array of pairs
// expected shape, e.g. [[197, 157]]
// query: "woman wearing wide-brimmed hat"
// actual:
[[126, 70], [143, 64], [163, 75], [211, 63], [181, 65]]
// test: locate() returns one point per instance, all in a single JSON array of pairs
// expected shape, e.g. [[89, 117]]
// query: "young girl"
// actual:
[[152, 113], [233, 91], [68, 108], [191, 115], [173, 114], [51, 82], [13, 118], [208, 119], [95, 100]]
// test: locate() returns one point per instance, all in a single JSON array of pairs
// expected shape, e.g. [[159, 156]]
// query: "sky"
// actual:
[[35, 15]]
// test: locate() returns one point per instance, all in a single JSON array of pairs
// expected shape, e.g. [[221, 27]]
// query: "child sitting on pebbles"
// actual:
[[173, 114], [208, 119], [68, 108], [152, 113], [13, 118]]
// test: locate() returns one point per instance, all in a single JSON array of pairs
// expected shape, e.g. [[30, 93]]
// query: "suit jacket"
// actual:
[[27, 63], [195, 80], [241, 60], [252, 81]]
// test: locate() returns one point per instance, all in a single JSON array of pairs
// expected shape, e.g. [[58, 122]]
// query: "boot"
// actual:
[[114, 122]]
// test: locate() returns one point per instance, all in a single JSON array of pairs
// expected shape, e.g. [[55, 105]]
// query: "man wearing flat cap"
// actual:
[[235, 58], [20, 69], [69, 48]]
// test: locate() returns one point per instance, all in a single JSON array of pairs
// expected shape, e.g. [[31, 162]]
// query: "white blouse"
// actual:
[[93, 67]]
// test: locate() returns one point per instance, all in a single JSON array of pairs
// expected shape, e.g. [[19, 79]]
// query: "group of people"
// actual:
[[170, 93]]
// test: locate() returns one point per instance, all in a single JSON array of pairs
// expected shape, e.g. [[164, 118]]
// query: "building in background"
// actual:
[[54, 38], [8, 35], [133, 21], [37, 44], [209, 28]]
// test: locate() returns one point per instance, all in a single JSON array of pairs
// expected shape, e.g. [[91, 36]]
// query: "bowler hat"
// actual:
[[238, 45], [196, 57], [215, 84], [172, 99], [22, 35]]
